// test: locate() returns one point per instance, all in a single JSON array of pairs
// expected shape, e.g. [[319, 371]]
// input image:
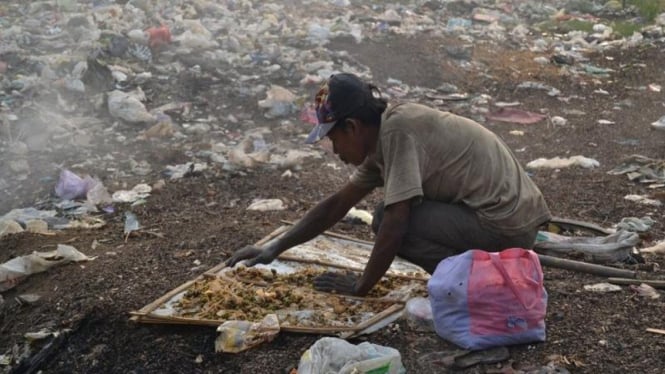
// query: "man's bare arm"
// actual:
[[388, 242], [320, 218]]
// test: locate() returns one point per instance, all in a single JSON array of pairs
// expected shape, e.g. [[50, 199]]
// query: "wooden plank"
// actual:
[[215, 323], [583, 267], [172, 320], [155, 304], [651, 282]]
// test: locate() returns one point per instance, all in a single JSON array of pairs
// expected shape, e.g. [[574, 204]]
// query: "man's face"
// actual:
[[348, 143]]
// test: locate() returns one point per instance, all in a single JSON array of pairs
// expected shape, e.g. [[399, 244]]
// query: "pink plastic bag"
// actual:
[[482, 299]]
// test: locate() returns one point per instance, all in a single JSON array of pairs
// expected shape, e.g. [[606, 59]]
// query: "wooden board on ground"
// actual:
[[284, 288]]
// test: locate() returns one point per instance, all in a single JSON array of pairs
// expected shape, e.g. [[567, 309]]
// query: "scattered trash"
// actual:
[[660, 124], [645, 290], [238, 336], [17, 269], [41, 335], [596, 70], [656, 331], [458, 24], [418, 314], [279, 102], [513, 115], [23, 216], [560, 163], [558, 121], [602, 287], [158, 36], [128, 107], [644, 200], [360, 215], [139, 192], [635, 224], [183, 170], [98, 194], [657, 248], [643, 170], [551, 91], [264, 205], [516, 132], [605, 122], [334, 355], [444, 361], [131, 224], [287, 174], [36, 226], [9, 226], [70, 186], [655, 87], [28, 298], [616, 247]]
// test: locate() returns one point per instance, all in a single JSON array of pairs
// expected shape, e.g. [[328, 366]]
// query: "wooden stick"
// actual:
[[378, 317], [583, 267], [656, 331], [336, 235], [651, 282], [337, 266], [367, 299]]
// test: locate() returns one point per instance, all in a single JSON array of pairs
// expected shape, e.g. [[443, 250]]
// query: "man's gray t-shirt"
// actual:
[[424, 153]]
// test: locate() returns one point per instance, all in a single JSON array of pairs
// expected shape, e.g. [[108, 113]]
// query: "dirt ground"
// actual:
[[203, 219]]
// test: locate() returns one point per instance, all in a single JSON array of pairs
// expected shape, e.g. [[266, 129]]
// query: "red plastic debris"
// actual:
[[158, 36]]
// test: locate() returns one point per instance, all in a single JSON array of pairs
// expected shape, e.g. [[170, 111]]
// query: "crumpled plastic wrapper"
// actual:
[[238, 336]]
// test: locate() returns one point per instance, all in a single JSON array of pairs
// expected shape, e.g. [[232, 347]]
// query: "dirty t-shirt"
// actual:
[[424, 153]]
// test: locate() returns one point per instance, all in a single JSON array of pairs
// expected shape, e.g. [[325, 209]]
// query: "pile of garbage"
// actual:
[[84, 81]]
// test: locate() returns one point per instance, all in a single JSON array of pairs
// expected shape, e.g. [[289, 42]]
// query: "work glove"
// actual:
[[342, 283], [254, 255]]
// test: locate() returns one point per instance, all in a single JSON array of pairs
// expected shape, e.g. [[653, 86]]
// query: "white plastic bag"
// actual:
[[128, 107], [15, 270], [337, 356]]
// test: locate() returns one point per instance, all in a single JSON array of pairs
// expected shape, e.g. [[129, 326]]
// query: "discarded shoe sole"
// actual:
[[440, 360], [487, 356]]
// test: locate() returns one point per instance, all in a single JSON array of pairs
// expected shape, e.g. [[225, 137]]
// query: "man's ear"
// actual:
[[352, 125]]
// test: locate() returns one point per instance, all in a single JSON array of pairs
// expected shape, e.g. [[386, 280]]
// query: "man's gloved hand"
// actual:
[[343, 283], [254, 255]]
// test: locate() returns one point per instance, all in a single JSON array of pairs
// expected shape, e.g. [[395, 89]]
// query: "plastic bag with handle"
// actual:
[[337, 356], [482, 300]]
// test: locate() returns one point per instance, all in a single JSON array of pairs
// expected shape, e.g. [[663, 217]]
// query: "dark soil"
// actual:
[[203, 218]]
